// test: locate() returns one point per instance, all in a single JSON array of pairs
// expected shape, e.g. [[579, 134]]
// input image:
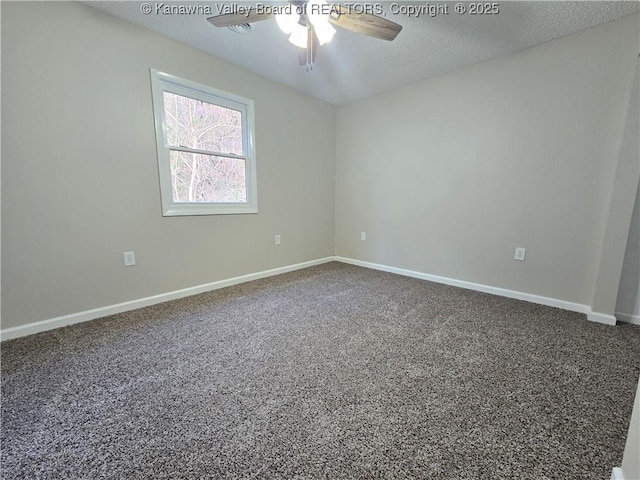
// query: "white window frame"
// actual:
[[164, 82]]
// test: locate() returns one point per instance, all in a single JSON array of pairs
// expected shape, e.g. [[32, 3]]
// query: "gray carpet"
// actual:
[[330, 372]]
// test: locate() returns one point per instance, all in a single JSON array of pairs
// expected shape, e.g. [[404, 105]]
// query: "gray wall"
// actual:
[[446, 176], [79, 172], [628, 303], [622, 199], [449, 175]]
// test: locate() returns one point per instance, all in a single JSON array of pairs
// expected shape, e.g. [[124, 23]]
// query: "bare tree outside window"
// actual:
[[202, 177]]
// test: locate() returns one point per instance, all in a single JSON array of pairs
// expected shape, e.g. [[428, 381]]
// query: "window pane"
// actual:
[[202, 126], [207, 178]]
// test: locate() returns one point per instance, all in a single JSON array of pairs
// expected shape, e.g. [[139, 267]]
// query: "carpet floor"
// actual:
[[333, 372]]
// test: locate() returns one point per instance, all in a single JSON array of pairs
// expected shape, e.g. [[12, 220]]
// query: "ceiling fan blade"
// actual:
[[364, 23], [231, 19]]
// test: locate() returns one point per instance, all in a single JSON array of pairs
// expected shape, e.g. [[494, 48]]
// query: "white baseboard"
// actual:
[[503, 292], [616, 474], [50, 324], [628, 318], [601, 317]]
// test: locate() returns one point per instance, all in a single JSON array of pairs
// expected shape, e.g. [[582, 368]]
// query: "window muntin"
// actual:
[[204, 139]]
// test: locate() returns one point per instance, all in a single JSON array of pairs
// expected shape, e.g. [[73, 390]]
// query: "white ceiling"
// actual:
[[353, 66]]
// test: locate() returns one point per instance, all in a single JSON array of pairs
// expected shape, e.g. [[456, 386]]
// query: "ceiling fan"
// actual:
[[310, 22]]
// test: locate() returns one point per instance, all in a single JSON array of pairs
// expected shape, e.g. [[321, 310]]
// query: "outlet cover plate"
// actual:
[[129, 258]]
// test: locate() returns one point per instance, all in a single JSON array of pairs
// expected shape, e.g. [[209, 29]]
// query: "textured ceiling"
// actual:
[[353, 66]]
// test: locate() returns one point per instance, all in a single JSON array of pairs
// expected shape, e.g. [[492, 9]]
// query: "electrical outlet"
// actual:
[[278, 240], [520, 253], [363, 235], [129, 258]]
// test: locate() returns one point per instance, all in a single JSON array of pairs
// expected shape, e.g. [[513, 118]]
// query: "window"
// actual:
[[206, 157]]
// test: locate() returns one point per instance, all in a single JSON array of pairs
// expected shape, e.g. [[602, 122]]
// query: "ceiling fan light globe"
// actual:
[[324, 32], [299, 36], [288, 20], [318, 11]]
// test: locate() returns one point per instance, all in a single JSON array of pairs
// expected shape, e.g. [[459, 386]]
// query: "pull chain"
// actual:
[[310, 47]]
